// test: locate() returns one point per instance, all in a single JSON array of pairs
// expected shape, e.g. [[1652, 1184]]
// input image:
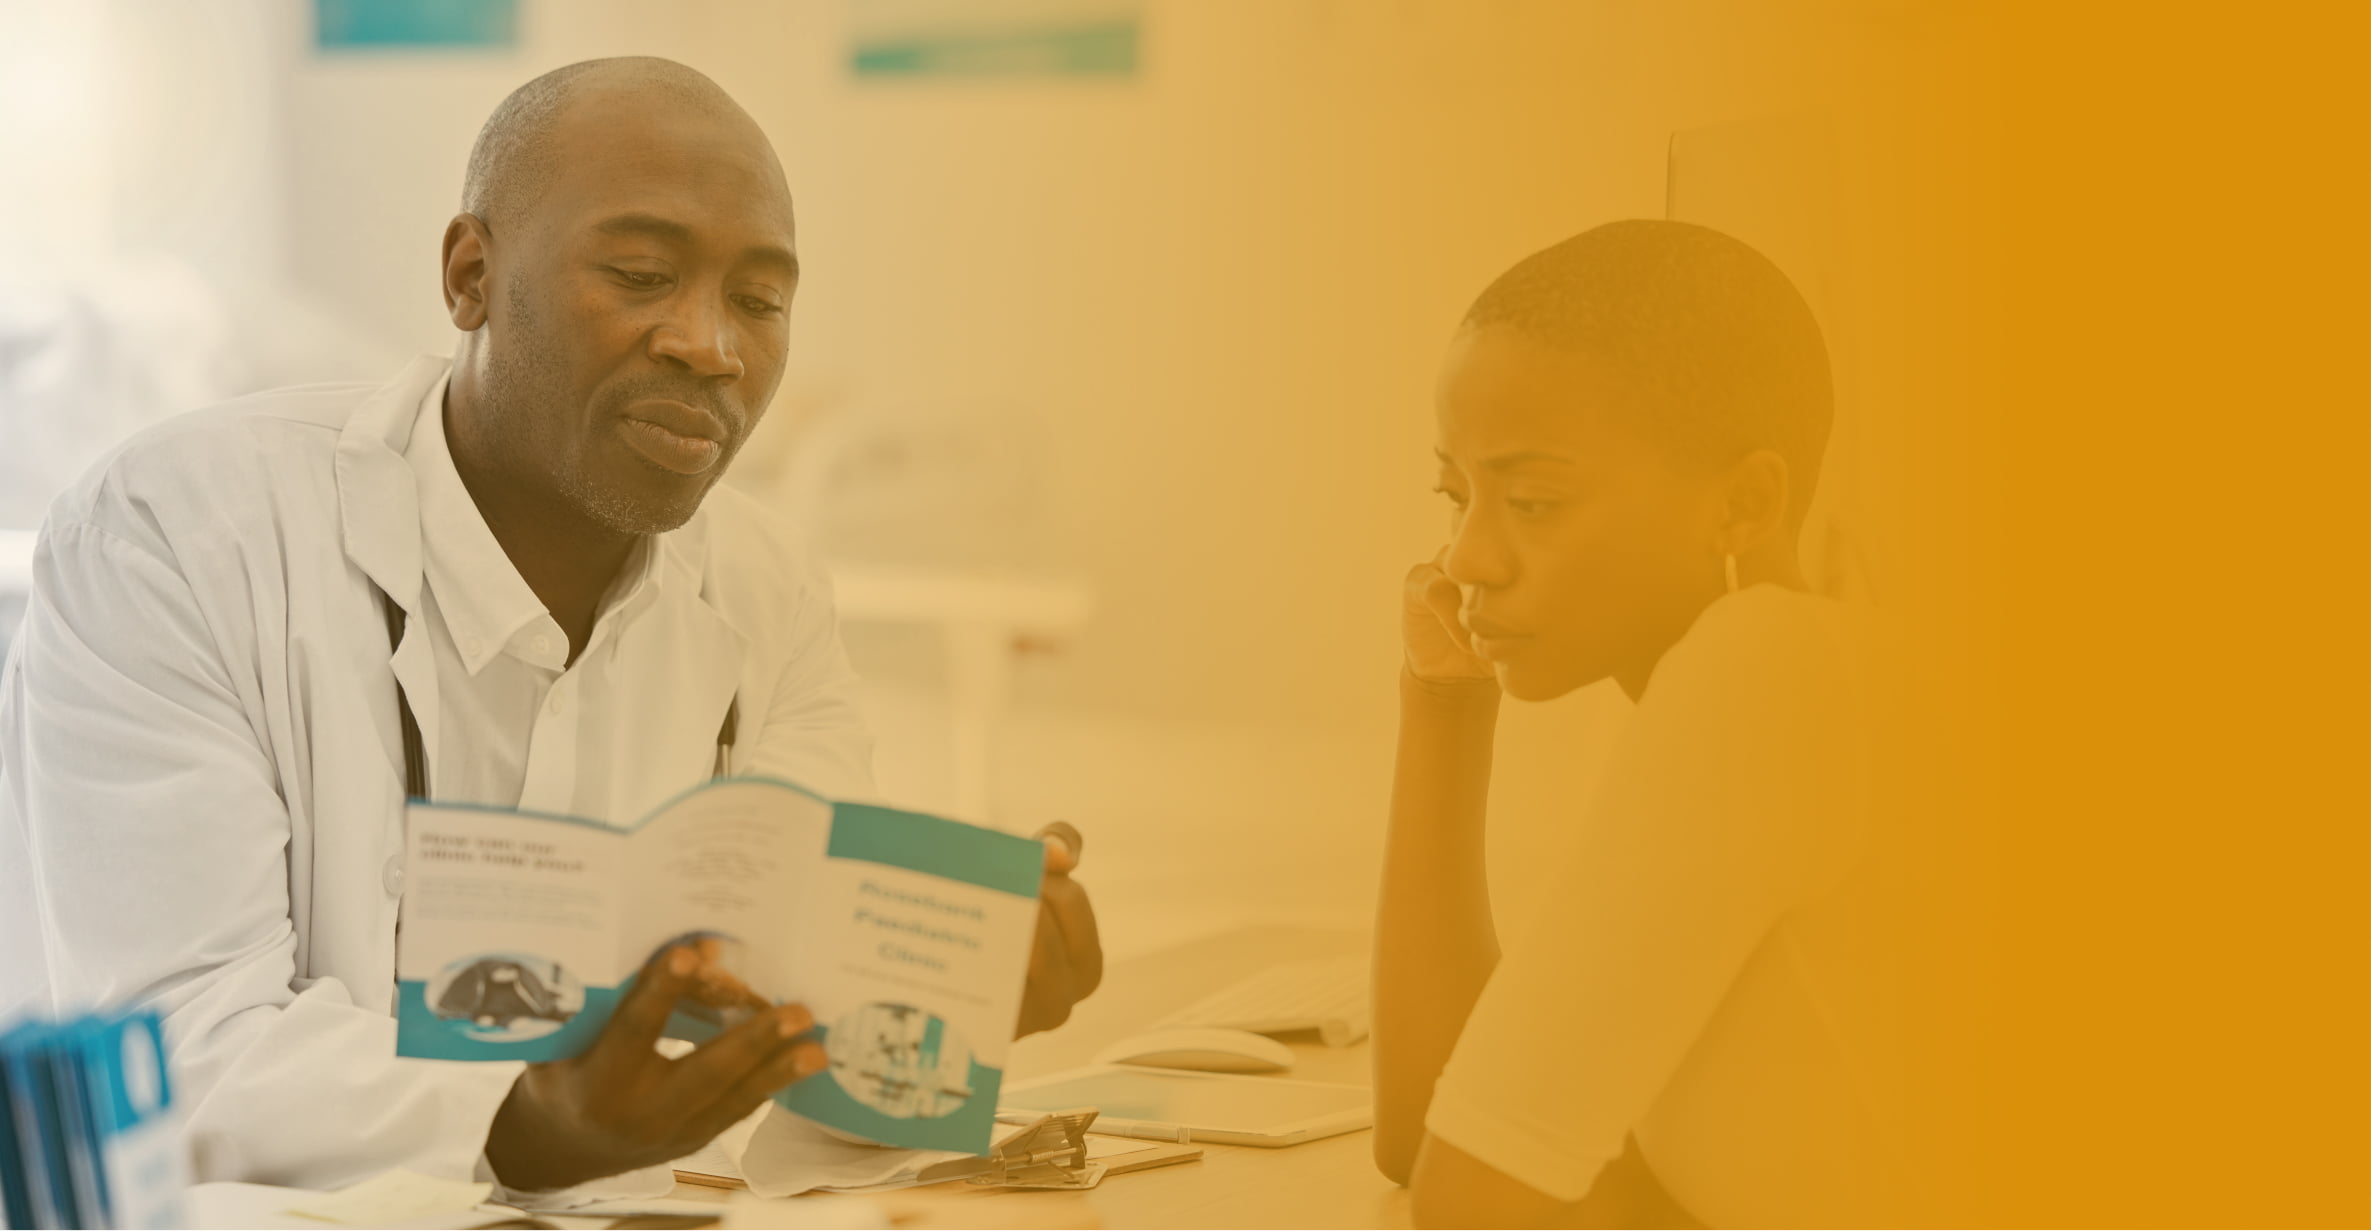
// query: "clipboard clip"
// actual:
[[1050, 1153]]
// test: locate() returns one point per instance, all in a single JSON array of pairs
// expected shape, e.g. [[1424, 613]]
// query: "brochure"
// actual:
[[88, 1134], [130, 1124], [41, 1176], [906, 935]]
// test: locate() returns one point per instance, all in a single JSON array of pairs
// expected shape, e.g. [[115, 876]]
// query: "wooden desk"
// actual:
[[1326, 1183]]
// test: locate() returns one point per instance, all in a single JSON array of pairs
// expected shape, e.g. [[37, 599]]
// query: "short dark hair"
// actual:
[[513, 161], [1724, 349]]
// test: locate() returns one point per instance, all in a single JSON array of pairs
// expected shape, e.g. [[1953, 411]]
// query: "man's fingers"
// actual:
[[1045, 945], [1066, 952], [788, 1065], [1082, 943], [643, 1014], [1064, 846], [724, 1060], [1068, 835], [719, 988], [1047, 997]]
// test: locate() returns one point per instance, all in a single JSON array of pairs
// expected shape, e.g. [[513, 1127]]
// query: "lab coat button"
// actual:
[[556, 704], [391, 878]]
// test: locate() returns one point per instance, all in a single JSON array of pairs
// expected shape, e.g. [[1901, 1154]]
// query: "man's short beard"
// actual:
[[520, 379]]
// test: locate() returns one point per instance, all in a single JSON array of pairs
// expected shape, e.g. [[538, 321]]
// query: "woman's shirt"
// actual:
[[1706, 972]]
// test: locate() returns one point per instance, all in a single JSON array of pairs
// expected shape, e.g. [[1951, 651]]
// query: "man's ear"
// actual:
[[467, 241], [1757, 495]]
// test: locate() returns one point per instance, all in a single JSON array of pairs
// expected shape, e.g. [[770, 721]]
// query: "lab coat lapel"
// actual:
[[674, 710], [379, 512], [415, 673]]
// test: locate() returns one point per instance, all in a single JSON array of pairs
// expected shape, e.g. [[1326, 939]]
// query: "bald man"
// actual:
[[509, 579]]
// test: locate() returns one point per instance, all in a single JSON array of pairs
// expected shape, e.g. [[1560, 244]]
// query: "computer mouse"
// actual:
[[1203, 1048]]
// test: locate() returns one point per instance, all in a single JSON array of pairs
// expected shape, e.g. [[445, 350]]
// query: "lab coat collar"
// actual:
[[378, 500], [712, 645], [681, 561], [704, 650], [379, 506], [379, 515], [484, 601], [642, 581]]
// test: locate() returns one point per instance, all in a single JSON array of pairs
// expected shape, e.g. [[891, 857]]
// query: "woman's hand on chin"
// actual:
[[1439, 650]]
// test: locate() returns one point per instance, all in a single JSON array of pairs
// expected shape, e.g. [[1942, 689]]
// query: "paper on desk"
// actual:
[[605, 1211], [393, 1197], [789, 1154], [722, 1157], [1100, 1146], [225, 1204]]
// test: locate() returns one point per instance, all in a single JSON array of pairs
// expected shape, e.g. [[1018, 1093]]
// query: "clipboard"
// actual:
[[1059, 1152], [1054, 1150]]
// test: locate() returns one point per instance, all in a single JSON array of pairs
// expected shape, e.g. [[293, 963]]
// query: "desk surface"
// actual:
[[1326, 1183]]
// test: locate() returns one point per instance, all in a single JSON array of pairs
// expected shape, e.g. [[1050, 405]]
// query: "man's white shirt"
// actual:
[[515, 711], [201, 767]]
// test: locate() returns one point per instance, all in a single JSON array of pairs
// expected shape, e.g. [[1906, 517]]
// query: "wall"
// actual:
[[1215, 295], [1202, 308]]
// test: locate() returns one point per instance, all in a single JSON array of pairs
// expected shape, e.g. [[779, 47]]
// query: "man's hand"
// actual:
[[1439, 649], [1066, 960], [622, 1105]]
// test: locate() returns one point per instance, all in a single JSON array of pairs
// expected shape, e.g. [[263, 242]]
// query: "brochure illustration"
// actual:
[[906, 935]]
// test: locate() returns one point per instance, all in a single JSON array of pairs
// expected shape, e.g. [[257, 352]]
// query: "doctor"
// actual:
[[509, 579]]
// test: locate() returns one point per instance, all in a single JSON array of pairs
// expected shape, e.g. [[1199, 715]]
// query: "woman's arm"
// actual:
[[1452, 1188], [1434, 943], [1732, 801]]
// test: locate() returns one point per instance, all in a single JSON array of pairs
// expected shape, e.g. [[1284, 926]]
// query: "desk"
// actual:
[[1326, 1183]]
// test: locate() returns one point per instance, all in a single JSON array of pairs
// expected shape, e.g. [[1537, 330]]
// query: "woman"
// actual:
[[1630, 429]]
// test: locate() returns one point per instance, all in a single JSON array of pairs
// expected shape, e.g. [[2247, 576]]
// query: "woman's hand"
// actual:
[[1439, 650]]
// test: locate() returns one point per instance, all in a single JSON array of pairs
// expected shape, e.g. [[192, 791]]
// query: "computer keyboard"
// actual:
[[1328, 996]]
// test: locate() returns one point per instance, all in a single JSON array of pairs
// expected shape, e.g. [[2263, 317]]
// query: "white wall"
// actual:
[[1210, 299], [1216, 292], [141, 128]]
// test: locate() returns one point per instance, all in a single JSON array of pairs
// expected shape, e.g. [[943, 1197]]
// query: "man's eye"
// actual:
[[638, 279], [758, 307], [1531, 508]]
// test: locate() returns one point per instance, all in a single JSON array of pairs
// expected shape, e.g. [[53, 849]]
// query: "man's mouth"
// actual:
[[677, 436]]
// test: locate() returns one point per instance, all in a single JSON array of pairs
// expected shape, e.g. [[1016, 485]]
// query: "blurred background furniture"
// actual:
[[983, 623]]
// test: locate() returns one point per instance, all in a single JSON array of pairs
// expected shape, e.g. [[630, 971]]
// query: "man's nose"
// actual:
[[700, 337]]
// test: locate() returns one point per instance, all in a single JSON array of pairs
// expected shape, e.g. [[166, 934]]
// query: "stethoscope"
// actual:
[[415, 750]]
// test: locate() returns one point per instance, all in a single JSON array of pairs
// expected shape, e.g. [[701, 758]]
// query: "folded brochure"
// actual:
[[906, 935]]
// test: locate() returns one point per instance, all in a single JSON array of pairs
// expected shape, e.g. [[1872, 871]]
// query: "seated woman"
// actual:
[[1630, 428]]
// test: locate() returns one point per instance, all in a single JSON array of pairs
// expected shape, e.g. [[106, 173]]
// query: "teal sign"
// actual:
[[994, 38], [373, 25]]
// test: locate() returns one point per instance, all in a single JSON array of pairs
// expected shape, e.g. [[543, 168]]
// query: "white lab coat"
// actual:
[[201, 765]]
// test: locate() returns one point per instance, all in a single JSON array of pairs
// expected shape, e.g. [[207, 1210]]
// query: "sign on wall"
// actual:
[[994, 38], [372, 25]]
